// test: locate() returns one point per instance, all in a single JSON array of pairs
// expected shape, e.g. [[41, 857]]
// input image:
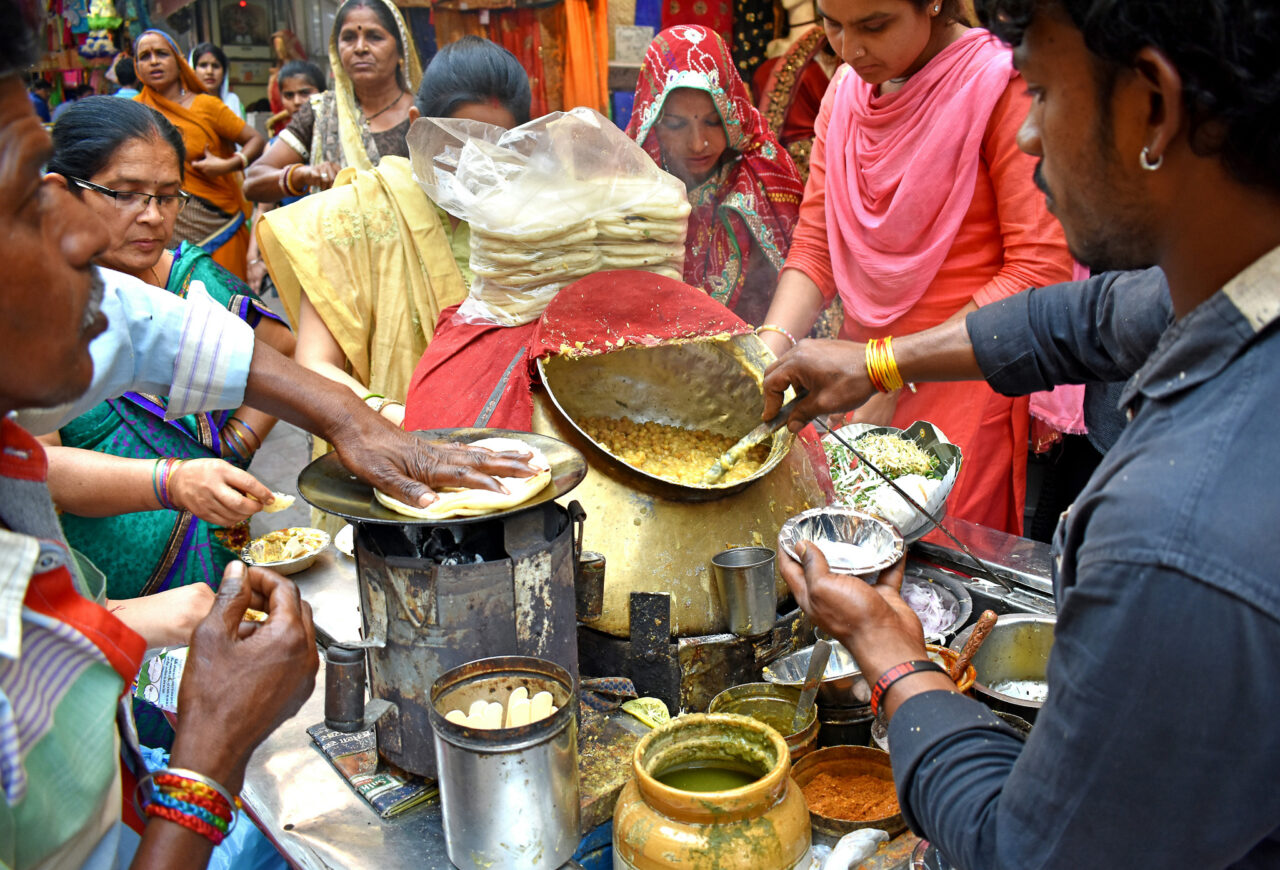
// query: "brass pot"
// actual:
[[658, 536], [763, 825], [775, 706]]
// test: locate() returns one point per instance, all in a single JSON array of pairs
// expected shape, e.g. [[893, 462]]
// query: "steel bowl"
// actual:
[[842, 684], [1017, 649], [952, 594], [880, 541], [288, 566], [930, 440]]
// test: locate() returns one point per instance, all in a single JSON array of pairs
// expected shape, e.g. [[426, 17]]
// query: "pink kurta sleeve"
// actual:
[[809, 247], [1035, 248]]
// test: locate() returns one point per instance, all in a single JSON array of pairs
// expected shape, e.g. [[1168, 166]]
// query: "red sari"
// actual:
[[748, 209]]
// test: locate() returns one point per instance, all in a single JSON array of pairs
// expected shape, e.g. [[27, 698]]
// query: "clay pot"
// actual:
[[763, 825]]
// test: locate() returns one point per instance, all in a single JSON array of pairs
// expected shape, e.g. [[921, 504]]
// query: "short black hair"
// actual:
[[304, 68], [41, 85], [87, 134], [126, 75], [1226, 51], [474, 70], [21, 37], [209, 48]]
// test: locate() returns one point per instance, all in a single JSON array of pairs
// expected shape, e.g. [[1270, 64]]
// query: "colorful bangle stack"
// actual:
[[882, 368], [770, 327], [161, 477], [897, 672], [238, 438], [286, 181], [187, 798]]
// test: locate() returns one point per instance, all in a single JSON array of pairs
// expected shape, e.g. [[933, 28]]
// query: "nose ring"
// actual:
[[859, 53]]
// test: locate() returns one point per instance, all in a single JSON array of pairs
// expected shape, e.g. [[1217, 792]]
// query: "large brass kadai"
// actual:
[[659, 536]]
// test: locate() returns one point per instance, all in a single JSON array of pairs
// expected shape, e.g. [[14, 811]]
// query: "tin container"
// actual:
[[1017, 649], [509, 795], [844, 726], [762, 825], [775, 706]]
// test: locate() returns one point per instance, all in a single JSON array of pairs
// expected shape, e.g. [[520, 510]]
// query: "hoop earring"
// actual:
[[1145, 161]]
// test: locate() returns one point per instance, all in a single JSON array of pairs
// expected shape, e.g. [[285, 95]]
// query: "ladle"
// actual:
[[812, 679], [731, 456], [981, 629]]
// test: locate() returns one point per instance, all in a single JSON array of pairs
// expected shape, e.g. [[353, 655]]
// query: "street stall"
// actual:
[[559, 675]]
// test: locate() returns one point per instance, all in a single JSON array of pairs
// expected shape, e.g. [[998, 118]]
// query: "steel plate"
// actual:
[[326, 484]]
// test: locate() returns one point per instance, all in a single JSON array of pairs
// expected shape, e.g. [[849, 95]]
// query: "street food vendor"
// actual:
[[1154, 124]]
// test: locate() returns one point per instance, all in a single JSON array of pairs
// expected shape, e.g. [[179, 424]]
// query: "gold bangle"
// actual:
[[770, 327]]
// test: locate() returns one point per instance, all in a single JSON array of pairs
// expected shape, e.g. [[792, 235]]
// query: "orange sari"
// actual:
[[207, 124]]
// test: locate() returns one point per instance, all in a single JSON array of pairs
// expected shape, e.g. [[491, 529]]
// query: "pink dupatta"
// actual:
[[901, 170]]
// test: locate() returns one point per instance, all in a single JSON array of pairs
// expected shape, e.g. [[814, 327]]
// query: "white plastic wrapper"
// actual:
[[549, 202]]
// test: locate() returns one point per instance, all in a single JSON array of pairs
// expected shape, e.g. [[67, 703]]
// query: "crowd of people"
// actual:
[[941, 176]]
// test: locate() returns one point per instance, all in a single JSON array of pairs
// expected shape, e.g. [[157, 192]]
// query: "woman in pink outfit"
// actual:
[[919, 208]]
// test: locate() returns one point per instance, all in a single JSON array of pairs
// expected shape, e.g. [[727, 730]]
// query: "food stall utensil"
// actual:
[[812, 679], [983, 567], [757, 435], [745, 583], [981, 629]]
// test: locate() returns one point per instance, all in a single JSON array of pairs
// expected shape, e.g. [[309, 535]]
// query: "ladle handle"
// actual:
[[981, 629]]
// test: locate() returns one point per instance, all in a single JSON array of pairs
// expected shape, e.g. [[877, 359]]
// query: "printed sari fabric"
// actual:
[[151, 551], [216, 218], [749, 207]]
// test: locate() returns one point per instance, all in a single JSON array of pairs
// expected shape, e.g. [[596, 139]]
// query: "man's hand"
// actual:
[[243, 679], [834, 373], [408, 468], [871, 620]]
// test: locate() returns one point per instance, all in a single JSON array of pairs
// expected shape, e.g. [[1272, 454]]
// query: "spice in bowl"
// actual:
[[851, 796]]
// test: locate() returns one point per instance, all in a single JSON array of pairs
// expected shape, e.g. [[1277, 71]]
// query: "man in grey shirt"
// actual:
[[1155, 122]]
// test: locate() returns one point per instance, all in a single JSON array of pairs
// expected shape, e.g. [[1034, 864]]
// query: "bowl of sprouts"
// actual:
[[919, 459]]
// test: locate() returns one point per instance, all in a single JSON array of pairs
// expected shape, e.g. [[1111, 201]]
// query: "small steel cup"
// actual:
[[744, 578]]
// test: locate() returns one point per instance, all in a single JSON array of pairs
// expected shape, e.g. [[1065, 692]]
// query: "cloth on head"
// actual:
[[353, 130], [228, 96], [206, 125], [905, 169], [753, 198]]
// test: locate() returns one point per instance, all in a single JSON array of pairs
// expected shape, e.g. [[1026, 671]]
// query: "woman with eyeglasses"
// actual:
[[216, 215], [158, 505]]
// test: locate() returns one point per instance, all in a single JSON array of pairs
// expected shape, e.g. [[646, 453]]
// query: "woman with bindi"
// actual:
[[215, 217], [694, 117], [363, 119]]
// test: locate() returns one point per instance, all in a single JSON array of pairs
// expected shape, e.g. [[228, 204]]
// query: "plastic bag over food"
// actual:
[[549, 202]]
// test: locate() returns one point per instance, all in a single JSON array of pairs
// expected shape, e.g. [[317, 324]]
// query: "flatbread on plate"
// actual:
[[468, 502]]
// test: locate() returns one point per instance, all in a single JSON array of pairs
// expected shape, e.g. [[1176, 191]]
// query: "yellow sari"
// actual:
[[370, 252], [375, 261]]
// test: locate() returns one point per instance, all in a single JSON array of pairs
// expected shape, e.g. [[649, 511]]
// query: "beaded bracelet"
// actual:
[[770, 327], [897, 672], [187, 798]]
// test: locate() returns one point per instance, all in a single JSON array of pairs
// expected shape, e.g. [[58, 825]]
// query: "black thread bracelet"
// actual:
[[897, 672]]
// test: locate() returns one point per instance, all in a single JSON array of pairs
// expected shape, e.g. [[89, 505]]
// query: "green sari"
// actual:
[[151, 551]]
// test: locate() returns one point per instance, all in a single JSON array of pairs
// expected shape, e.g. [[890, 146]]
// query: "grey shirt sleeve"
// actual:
[[1100, 329], [1162, 695]]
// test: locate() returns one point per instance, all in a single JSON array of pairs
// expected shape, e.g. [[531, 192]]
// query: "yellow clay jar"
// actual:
[[760, 826]]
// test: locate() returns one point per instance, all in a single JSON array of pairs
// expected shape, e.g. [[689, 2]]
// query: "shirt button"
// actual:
[[51, 556]]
